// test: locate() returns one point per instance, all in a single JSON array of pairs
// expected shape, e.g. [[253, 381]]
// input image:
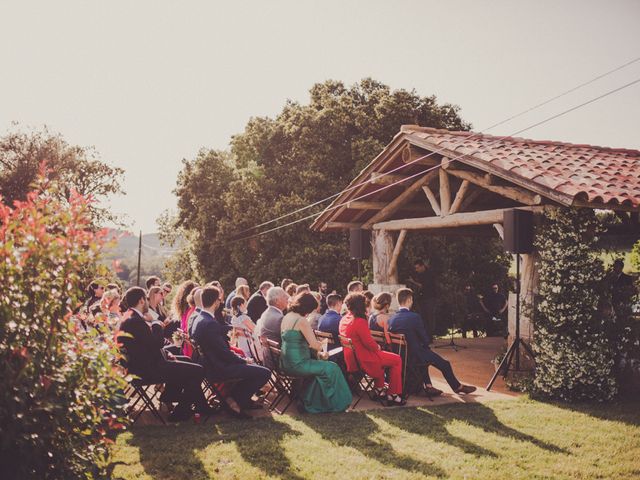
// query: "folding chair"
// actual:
[[415, 373], [286, 384], [324, 335], [379, 338], [359, 382], [144, 394]]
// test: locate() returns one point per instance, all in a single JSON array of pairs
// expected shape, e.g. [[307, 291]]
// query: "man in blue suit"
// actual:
[[411, 325], [330, 321], [219, 362]]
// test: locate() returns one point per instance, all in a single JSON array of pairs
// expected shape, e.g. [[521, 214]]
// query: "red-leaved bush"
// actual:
[[60, 388]]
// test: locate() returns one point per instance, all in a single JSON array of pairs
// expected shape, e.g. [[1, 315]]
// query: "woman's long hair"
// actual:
[[357, 304], [180, 305]]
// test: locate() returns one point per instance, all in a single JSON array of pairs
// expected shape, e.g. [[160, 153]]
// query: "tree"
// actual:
[[279, 165], [22, 155]]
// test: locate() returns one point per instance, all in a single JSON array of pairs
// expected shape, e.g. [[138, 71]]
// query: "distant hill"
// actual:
[[125, 252]]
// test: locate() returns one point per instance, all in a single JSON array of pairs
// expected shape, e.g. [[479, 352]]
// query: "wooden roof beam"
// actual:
[[486, 217], [381, 178], [343, 225], [404, 197], [514, 193], [367, 205], [418, 156]]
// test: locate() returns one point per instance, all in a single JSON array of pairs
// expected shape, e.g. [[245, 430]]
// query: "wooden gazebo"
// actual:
[[460, 183]]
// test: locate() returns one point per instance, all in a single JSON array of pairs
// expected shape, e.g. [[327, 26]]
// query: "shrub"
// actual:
[[59, 400], [574, 358]]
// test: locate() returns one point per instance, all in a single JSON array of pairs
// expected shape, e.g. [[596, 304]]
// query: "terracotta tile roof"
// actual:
[[598, 175]]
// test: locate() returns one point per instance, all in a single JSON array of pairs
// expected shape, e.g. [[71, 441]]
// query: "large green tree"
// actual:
[[25, 154], [277, 165]]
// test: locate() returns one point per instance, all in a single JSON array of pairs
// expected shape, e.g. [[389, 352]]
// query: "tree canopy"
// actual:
[[277, 165], [23, 155]]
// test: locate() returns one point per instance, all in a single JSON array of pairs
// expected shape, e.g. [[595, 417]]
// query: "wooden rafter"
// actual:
[[417, 156], [445, 192], [435, 205], [405, 196], [380, 178], [462, 191], [514, 193], [366, 205]]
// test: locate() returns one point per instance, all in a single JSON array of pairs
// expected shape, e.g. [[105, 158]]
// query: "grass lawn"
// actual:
[[501, 439]]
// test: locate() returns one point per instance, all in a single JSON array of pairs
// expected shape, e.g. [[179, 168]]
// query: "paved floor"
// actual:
[[472, 365]]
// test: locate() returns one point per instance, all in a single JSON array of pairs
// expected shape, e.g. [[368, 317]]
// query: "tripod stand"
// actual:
[[514, 348], [451, 343]]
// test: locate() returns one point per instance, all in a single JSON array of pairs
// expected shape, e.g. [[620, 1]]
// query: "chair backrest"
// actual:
[[378, 337], [274, 350], [347, 343], [322, 335]]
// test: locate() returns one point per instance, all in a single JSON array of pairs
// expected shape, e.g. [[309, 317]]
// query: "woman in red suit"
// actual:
[[372, 360]]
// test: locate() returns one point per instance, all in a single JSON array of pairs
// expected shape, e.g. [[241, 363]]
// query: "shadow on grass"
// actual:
[[355, 430], [432, 423], [172, 452], [625, 410]]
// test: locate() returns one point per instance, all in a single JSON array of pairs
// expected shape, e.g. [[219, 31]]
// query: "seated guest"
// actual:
[[372, 360], [110, 309], [219, 361], [239, 282], [330, 321], [241, 321], [378, 321], [244, 292], [152, 281], [142, 348], [291, 289], [257, 303], [355, 286], [303, 288], [328, 392], [285, 283], [155, 296], [411, 325], [269, 323], [194, 299], [314, 317]]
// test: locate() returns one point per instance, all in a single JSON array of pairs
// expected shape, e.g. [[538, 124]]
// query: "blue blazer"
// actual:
[[213, 344], [410, 324], [330, 323]]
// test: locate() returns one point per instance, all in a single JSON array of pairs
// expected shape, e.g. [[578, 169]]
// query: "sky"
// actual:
[[148, 83]]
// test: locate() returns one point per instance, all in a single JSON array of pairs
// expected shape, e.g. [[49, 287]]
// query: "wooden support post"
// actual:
[[396, 252], [432, 199], [382, 253], [455, 206], [445, 193]]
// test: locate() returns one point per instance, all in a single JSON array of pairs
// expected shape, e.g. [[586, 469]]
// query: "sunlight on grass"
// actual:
[[516, 439]]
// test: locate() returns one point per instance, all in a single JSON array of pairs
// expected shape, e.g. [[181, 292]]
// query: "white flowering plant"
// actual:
[[574, 355]]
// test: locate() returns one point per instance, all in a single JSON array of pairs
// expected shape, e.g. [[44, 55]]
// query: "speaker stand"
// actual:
[[452, 343], [514, 348]]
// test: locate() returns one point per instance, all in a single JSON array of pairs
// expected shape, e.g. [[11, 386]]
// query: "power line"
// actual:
[[480, 132], [548, 119]]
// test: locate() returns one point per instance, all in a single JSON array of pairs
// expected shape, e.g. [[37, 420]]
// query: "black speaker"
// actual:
[[359, 243], [518, 231]]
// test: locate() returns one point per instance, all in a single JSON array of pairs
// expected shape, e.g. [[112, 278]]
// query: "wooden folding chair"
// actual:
[[144, 394], [415, 373], [320, 335], [360, 383], [286, 385]]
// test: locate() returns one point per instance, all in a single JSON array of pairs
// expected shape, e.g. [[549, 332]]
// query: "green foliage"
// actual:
[[77, 168], [575, 360], [635, 256], [59, 401], [276, 166]]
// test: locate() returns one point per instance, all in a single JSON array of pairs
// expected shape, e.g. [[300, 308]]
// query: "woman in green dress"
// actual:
[[328, 392]]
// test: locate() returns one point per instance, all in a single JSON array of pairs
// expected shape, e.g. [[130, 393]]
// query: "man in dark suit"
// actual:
[[257, 302], [330, 321], [219, 362], [144, 358], [411, 325]]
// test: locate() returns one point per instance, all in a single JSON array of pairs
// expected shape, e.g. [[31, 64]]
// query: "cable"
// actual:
[[553, 117], [480, 132]]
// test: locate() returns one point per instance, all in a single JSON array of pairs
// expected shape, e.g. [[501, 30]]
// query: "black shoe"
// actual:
[[179, 416], [465, 389], [395, 401], [206, 410], [432, 391]]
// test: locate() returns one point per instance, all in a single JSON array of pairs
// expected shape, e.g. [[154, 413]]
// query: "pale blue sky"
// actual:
[[151, 82]]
